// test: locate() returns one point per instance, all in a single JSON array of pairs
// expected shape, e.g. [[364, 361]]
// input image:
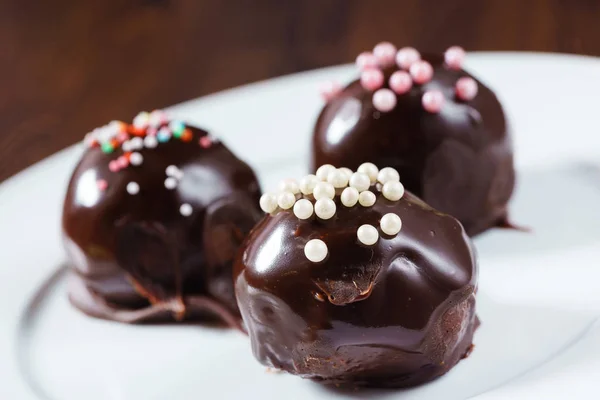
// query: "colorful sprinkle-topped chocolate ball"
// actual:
[[154, 234], [444, 131]]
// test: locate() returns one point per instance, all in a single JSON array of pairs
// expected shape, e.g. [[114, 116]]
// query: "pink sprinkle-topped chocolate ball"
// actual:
[[443, 130]]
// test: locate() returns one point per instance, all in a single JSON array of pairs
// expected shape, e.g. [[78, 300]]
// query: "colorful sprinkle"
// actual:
[[186, 210], [205, 142], [406, 57], [163, 135], [400, 82], [137, 143], [466, 88], [122, 162], [107, 147], [186, 136], [113, 166], [136, 159], [454, 57], [150, 142], [366, 60], [371, 79], [385, 54], [177, 127], [421, 72], [133, 188], [102, 185], [141, 120]]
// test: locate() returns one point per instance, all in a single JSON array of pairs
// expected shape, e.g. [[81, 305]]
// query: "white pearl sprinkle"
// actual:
[[315, 250], [346, 171], [360, 181], [323, 171], [390, 224], [308, 183], [370, 169], [286, 200], [349, 196], [175, 172], [136, 143], [133, 188], [388, 174], [324, 190], [186, 210], [367, 234], [366, 198], [126, 146], [325, 208], [136, 159], [289, 185], [393, 190], [150, 142], [170, 183], [338, 179], [268, 202], [303, 209]]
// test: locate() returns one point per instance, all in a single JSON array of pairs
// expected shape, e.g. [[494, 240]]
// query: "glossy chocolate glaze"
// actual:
[[136, 257], [398, 313], [459, 161]]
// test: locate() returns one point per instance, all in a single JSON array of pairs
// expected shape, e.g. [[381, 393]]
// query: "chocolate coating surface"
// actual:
[[136, 257], [395, 314], [459, 161]]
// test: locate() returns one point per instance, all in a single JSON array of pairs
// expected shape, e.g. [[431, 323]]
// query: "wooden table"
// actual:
[[67, 66]]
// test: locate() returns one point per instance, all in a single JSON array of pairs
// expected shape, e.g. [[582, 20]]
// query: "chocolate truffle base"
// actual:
[[191, 308]]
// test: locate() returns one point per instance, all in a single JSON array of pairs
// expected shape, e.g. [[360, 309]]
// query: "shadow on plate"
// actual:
[[561, 206]]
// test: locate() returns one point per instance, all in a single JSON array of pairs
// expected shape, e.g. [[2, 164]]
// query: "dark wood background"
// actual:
[[67, 66]]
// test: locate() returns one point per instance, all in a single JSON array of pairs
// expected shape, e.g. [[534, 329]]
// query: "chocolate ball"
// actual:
[[458, 160], [372, 308], [153, 216]]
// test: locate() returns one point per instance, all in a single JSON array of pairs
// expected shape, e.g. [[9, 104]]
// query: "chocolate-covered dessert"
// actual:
[[442, 129], [153, 216], [349, 280]]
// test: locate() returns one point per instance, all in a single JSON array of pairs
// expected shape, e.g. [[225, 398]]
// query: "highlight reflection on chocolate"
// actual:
[[333, 297], [153, 216], [447, 136]]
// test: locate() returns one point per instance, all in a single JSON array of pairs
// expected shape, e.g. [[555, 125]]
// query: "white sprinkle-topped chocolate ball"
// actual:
[[338, 179], [324, 190], [393, 190], [366, 198], [286, 200], [324, 170], [289, 185], [346, 171], [360, 181], [136, 143], [390, 224], [186, 210], [268, 202], [325, 208], [170, 183], [150, 142], [308, 183], [388, 174], [367, 234], [303, 209], [136, 159], [370, 169], [349, 196], [133, 188], [315, 250]]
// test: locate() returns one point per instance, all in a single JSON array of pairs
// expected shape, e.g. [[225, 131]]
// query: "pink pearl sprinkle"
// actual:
[[329, 90], [384, 100], [400, 82], [366, 60], [406, 57], [122, 136], [102, 185], [122, 162], [454, 57], [421, 71], [432, 101], [205, 142], [113, 166], [385, 54], [466, 88], [371, 79], [151, 131]]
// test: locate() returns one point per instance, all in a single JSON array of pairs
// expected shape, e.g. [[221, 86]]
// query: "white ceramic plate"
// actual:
[[538, 300]]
